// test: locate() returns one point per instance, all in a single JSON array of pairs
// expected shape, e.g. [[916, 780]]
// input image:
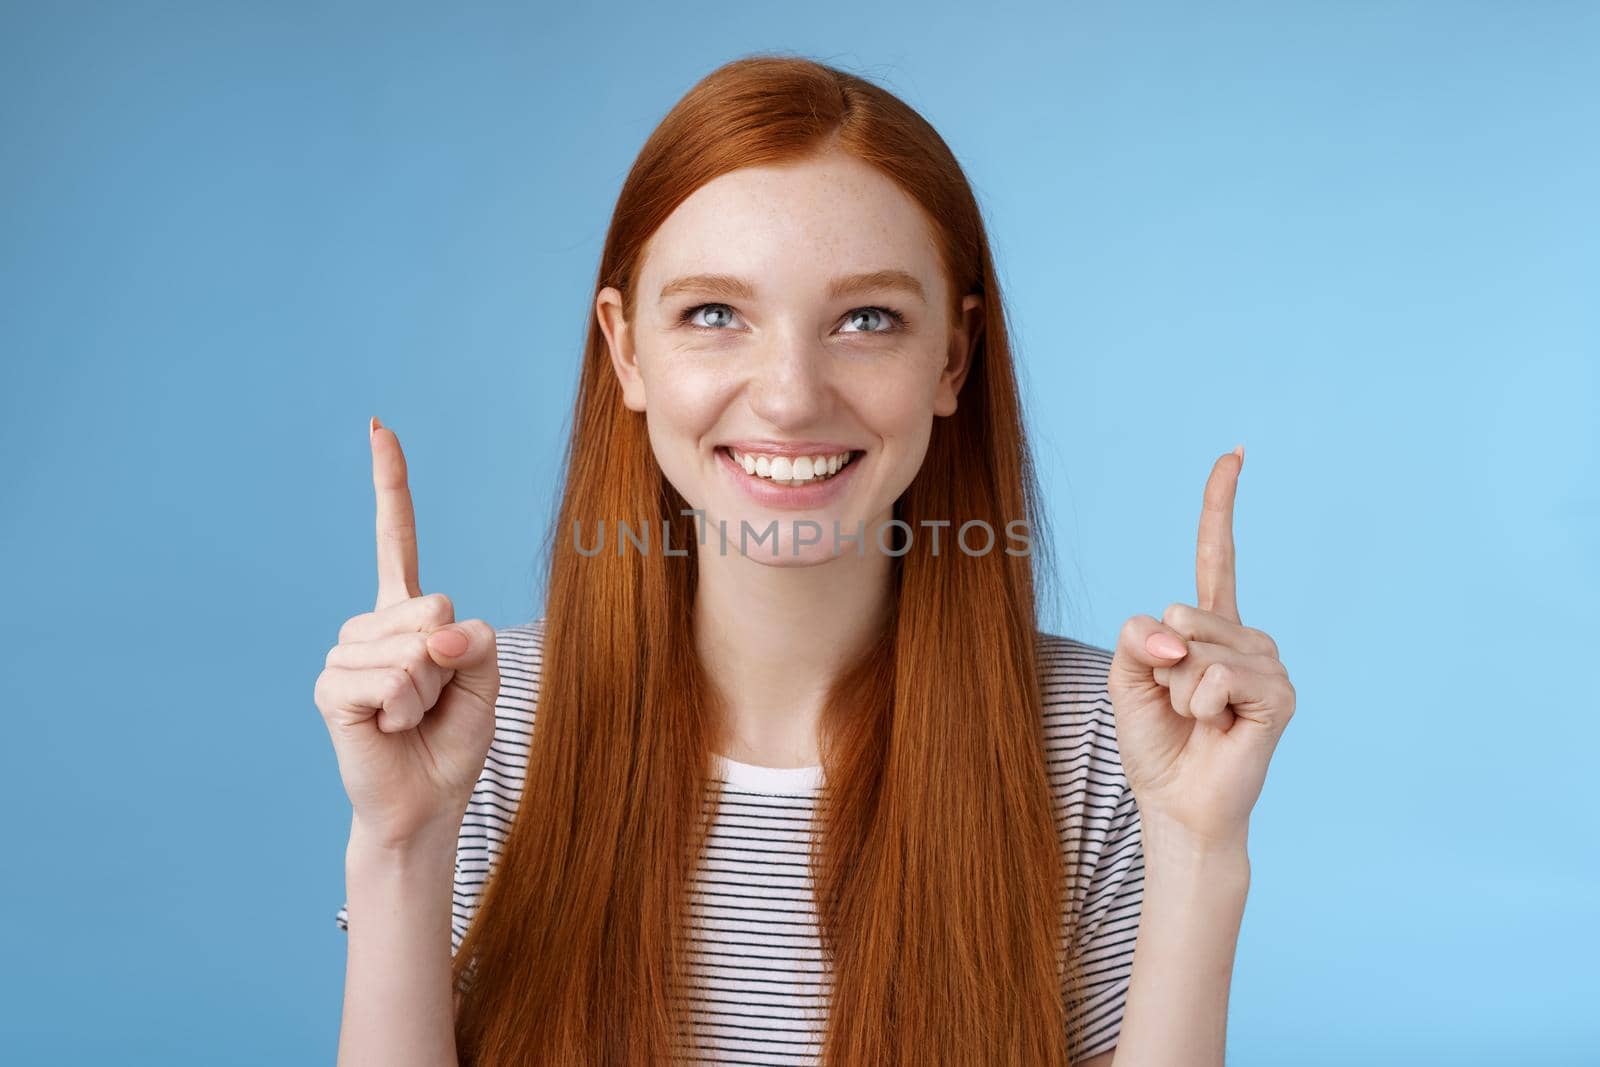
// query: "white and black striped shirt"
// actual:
[[760, 995]]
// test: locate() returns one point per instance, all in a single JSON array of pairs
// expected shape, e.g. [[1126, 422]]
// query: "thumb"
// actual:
[[468, 648], [1144, 644]]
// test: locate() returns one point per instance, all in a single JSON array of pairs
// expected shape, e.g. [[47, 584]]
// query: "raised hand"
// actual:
[[1200, 698], [408, 693]]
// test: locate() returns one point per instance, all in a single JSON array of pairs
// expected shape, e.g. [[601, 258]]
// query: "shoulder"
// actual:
[[520, 652], [492, 808], [1071, 672], [520, 649], [1079, 724], [1084, 765]]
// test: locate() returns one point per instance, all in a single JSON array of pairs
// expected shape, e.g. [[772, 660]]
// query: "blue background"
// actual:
[[1361, 238]]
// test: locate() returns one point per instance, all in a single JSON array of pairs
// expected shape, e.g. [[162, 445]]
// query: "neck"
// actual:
[[773, 639]]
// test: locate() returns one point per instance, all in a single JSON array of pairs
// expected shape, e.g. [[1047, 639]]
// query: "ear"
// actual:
[[619, 340], [963, 344]]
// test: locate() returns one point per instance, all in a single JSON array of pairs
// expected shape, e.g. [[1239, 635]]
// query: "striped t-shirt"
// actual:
[[760, 994]]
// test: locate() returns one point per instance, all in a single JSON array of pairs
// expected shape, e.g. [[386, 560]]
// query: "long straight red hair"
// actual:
[[938, 864]]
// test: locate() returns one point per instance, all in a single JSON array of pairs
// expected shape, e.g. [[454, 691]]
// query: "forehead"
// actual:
[[814, 218]]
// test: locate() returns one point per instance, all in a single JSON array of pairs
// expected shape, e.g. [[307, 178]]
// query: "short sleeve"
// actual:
[[1101, 838], [492, 808], [1107, 927]]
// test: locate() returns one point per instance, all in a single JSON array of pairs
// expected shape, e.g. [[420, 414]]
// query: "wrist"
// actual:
[[369, 845], [1175, 851]]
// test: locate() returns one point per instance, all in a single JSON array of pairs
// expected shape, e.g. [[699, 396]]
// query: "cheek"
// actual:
[[897, 397], [684, 400]]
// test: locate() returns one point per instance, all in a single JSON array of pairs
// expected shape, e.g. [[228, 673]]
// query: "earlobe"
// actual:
[[619, 343], [964, 342]]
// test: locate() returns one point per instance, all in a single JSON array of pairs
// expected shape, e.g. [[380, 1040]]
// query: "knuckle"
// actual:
[[415, 659], [439, 607], [395, 684], [351, 627], [1174, 612], [1263, 639], [1137, 624]]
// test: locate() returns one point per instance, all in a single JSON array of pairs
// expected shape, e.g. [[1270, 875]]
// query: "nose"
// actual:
[[788, 385]]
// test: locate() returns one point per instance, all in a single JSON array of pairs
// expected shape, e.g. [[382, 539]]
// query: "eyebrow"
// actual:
[[844, 285]]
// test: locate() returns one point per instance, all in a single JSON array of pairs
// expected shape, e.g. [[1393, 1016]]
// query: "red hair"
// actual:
[[938, 864]]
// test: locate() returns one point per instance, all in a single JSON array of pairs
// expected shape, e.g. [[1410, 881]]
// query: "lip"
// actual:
[[784, 497], [792, 449]]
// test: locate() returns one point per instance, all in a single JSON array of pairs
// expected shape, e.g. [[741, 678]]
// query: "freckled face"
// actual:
[[746, 341]]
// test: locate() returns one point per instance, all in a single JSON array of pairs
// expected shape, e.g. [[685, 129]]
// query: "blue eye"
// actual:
[[894, 320], [689, 313]]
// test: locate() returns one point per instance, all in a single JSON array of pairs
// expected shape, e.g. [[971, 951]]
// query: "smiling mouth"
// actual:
[[791, 471]]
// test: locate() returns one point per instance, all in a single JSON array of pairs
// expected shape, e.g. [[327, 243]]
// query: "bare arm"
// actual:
[[1201, 701], [1177, 1007], [408, 695], [398, 1004]]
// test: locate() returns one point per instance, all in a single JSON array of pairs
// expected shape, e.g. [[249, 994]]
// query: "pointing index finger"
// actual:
[[396, 522], [1214, 558]]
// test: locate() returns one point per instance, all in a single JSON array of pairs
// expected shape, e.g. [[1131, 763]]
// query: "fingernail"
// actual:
[[1239, 451], [1165, 645], [450, 643], [372, 427]]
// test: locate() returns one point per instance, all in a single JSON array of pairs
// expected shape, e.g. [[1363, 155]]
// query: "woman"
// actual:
[[786, 771]]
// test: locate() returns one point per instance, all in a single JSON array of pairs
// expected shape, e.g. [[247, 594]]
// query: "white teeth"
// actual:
[[790, 470]]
